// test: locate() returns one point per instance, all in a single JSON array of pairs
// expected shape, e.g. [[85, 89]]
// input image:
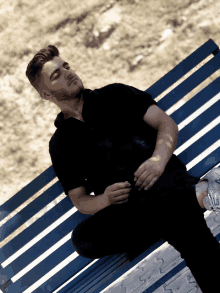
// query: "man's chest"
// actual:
[[118, 142], [111, 136]]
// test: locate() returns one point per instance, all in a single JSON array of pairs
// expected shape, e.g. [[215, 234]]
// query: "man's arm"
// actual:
[[85, 203], [167, 134], [90, 206], [167, 137]]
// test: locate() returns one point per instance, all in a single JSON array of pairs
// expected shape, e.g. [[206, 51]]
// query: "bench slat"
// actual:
[[191, 82], [201, 98], [102, 273], [182, 68], [30, 210], [198, 147], [197, 125], [28, 191], [36, 228]]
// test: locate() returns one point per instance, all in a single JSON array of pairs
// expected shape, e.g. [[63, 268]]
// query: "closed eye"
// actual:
[[59, 73]]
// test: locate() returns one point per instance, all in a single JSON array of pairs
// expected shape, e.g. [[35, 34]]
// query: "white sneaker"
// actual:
[[212, 201]]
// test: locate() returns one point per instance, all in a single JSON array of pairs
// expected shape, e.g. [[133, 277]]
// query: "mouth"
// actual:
[[72, 80]]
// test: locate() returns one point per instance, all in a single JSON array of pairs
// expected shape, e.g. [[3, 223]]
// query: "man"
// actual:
[[56, 82], [104, 138]]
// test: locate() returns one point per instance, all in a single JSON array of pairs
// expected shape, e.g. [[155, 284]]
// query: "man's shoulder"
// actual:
[[52, 142], [105, 97], [110, 86], [107, 93], [52, 139], [55, 142]]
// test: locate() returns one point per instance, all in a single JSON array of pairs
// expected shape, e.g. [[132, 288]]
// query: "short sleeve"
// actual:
[[68, 167], [133, 101]]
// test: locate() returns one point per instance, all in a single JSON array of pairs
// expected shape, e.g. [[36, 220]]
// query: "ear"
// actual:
[[45, 94], [155, 116]]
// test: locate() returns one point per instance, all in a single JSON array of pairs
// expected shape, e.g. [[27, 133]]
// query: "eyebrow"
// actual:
[[56, 70]]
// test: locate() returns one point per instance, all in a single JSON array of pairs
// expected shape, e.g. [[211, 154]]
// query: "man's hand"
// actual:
[[148, 173]]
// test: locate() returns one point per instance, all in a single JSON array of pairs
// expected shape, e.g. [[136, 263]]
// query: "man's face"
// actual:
[[55, 79]]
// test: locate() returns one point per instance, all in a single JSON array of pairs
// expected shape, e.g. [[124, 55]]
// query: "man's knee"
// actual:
[[75, 240], [80, 245]]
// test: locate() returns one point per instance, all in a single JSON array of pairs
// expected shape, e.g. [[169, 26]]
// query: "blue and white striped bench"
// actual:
[[56, 266]]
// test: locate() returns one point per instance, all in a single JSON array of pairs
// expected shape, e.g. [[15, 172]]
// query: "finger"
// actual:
[[122, 201], [144, 176], [147, 181], [150, 184], [139, 181], [139, 172], [136, 178]]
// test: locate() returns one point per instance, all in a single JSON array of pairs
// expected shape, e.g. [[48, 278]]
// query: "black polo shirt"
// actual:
[[111, 143]]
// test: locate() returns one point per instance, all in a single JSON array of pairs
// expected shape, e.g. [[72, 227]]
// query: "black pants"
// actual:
[[168, 210]]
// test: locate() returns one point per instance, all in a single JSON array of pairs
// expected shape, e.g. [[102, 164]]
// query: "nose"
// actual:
[[69, 76]]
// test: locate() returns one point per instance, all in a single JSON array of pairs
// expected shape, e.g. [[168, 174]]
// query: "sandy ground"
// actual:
[[134, 42]]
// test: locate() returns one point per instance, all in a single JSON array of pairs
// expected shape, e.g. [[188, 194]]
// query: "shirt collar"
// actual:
[[60, 121]]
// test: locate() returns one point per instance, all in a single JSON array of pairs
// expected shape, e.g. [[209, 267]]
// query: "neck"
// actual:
[[73, 108]]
